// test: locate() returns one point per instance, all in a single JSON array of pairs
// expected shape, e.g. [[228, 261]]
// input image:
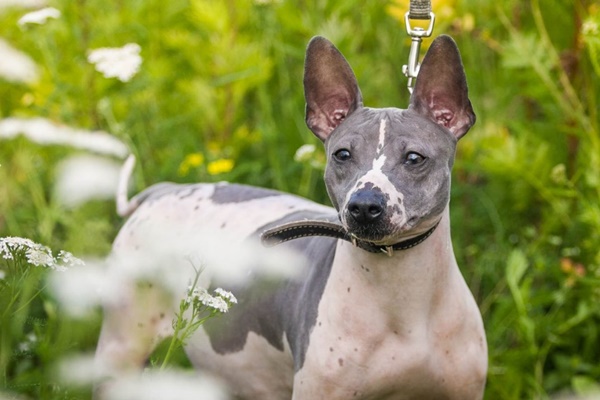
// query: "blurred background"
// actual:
[[207, 90]]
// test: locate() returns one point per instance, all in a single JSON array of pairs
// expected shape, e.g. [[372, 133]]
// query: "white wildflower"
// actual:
[[22, 3], [40, 16], [45, 132], [40, 255], [120, 62], [305, 153], [81, 290], [209, 300], [16, 66], [36, 254], [68, 260], [84, 177], [220, 302], [165, 385], [167, 254], [228, 296], [10, 244], [590, 28], [29, 342], [82, 369], [24, 347]]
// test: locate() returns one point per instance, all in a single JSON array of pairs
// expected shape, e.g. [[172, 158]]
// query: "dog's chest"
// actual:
[[340, 365], [366, 347]]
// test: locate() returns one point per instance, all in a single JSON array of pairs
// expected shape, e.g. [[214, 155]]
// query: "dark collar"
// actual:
[[298, 229]]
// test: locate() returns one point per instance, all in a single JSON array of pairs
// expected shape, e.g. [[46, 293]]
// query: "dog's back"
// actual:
[[186, 225]]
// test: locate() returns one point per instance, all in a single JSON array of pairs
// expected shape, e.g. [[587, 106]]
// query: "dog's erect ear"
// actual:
[[441, 90], [330, 87]]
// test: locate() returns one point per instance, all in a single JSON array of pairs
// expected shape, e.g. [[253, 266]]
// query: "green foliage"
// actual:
[[33, 333], [219, 97]]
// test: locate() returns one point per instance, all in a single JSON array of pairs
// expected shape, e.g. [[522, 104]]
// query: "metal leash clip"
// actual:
[[417, 34]]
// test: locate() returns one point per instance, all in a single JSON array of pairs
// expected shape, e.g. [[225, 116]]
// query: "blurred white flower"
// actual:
[[305, 153], [82, 370], [85, 177], [22, 3], [39, 17], [67, 259], [29, 342], [81, 290], [590, 28], [2, 274], [168, 258], [45, 132], [166, 385], [16, 66], [117, 62]]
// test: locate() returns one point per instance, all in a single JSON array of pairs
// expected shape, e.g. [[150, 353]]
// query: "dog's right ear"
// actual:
[[330, 87]]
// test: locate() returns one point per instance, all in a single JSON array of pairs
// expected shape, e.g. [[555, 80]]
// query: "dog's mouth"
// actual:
[[383, 232]]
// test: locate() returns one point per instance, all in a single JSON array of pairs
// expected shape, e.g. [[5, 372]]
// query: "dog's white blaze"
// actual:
[[379, 179]]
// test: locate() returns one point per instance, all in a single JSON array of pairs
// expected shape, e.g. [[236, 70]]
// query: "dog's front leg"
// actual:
[[131, 330]]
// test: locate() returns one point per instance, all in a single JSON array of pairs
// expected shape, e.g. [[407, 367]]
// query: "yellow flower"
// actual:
[[220, 166], [192, 160]]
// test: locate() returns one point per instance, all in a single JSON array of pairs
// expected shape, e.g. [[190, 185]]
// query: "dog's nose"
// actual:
[[366, 206]]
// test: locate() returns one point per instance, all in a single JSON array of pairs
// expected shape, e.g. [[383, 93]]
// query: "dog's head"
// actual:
[[388, 169]]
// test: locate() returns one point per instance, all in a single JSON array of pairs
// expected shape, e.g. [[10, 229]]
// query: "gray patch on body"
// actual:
[[156, 191], [224, 193], [271, 308], [235, 193]]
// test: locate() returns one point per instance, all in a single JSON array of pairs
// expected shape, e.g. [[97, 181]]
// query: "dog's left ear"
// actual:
[[330, 87], [441, 92]]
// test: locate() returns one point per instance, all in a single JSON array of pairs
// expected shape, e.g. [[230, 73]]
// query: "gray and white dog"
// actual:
[[381, 311]]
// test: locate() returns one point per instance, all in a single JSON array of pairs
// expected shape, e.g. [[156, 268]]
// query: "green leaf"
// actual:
[[516, 266]]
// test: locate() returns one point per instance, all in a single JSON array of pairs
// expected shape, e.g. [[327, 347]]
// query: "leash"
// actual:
[[419, 9], [299, 229]]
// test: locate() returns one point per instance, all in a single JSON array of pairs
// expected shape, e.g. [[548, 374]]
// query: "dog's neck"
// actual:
[[409, 286]]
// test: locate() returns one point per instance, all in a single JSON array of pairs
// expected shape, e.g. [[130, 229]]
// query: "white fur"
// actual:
[[379, 179]]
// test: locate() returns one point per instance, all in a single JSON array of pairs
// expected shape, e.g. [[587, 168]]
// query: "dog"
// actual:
[[381, 310]]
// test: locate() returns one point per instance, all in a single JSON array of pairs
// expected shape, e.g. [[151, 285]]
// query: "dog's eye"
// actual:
[[413, 158], [342, 155]]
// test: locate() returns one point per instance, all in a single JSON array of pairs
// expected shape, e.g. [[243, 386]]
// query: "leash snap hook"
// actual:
[[411, 70]]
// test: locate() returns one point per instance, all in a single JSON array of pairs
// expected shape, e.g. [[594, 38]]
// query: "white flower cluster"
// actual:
[[305, 153], [39, 16], [30, 342], [45, 132], [590, 28], [221, 301], [172, 384], [16, 66], [36, 254], [120, 62]]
